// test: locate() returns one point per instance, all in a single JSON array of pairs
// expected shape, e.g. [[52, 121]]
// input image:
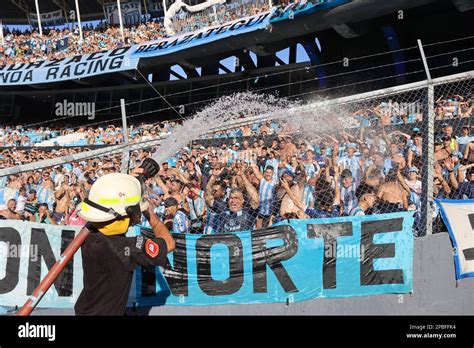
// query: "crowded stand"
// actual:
[[256, 175], [55, 44], [216, 15], [29, 47], [19, 136]]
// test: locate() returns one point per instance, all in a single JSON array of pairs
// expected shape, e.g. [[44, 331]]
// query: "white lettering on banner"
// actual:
[[125, 58], [176, 41], [37, 331], [458, 215], [67, 69], [47, 18]]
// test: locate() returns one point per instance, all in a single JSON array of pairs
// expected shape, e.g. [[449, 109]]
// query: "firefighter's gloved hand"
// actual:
[[150, 168]]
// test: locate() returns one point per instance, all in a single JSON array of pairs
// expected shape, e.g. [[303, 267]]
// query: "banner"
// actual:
[[50, 18], [131, 13], [72, 68], [202, 36], [62, 44], [81, 66], [294, 261], [458, 215]]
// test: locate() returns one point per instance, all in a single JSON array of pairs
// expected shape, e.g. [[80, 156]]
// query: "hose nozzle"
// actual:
[[150, 169]]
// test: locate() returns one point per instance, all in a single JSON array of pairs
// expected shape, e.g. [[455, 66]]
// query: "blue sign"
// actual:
[[294, 261]]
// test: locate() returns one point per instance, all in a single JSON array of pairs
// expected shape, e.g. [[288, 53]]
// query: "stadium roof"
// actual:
[[15, 11]]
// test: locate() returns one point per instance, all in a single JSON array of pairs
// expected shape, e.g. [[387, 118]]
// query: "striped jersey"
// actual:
[[349, 198], [180, 222], [159, 211], [416, 151], [308, 195], [45, 196], [353, 164], [311, 169], [274, 163], [196, 206], [266, 195], [415, 191]]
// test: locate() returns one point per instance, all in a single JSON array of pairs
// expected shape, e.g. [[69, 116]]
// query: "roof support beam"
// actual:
[[190, 73], [279, 61], [62, 4], [175, 74], [227, 71], [23, 5]]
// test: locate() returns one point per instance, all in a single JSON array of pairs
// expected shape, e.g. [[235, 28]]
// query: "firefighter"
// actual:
[[109, 258]]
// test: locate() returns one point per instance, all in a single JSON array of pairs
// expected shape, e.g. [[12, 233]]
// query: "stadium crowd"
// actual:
[[25, 136], [256, 175], [231, 10], [29, 46]]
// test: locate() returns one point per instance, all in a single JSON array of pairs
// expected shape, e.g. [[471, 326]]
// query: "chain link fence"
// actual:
[[379, 152], [453, 143]]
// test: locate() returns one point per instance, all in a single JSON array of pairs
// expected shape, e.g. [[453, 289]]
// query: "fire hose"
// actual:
[[150, 169]]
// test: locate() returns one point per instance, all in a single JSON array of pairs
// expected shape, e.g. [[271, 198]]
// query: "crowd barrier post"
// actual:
[[126, 151], [54, 272], [430, 160]]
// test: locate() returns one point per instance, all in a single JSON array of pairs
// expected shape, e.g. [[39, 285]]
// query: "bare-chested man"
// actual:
[[62, 201], [10, 213], [392, 196]]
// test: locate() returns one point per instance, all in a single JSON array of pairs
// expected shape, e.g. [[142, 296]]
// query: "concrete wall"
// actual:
[[434, 293]]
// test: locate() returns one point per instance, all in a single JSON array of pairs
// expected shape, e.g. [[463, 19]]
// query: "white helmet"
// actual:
[[112, 196]]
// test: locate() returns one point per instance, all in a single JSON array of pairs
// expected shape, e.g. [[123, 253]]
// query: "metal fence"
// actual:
[[382, 151], [401, 159]]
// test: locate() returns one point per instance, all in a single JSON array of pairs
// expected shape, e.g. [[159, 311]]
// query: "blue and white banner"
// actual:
[[72, 68], [50, 18], [202, 36], [458, 215], [294, 261], [127, 58]]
